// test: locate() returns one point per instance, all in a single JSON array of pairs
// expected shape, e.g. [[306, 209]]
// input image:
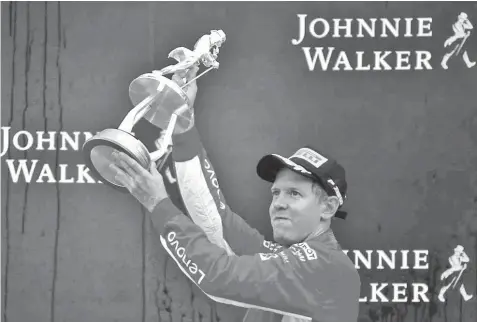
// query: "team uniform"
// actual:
[[232, 263]]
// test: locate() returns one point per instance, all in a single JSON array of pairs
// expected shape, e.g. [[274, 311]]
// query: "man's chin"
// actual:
[[282, 239]]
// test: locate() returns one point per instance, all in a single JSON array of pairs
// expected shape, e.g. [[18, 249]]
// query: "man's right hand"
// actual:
[[182, 77]]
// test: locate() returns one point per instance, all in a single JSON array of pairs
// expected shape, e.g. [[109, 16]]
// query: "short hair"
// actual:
[[320, 193]]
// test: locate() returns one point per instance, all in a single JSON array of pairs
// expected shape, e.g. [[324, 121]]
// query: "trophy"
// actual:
[[160, 101]]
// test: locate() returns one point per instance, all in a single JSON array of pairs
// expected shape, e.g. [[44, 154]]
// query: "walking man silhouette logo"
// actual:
[[458, 262], [461, 28]]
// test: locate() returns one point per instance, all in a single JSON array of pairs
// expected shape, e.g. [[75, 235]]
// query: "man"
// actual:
[[461, 30], [458, 262], [305, 276]]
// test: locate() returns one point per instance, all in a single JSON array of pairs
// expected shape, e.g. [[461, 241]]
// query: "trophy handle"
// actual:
[[136, 113], [156, 155]]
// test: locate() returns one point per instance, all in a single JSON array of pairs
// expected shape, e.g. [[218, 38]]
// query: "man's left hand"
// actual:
[[146, 186]]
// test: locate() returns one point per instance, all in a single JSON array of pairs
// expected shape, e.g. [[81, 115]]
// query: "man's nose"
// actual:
[[279, 203]]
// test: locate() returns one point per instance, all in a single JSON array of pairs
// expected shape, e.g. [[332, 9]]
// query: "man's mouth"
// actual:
[[280, 218]]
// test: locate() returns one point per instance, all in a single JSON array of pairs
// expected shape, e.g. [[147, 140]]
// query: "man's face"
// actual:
[[295, 209]]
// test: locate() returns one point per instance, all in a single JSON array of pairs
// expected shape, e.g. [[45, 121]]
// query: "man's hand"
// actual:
[[147, 187], [182, 77]]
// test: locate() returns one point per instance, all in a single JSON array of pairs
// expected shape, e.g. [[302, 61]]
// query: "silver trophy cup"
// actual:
[[160, 101]]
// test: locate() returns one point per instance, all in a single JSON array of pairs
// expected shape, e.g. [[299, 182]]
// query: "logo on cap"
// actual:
[[310, 156], [295, 166]]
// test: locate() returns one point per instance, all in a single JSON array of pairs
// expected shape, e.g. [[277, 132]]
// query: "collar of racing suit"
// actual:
[[327, 237]]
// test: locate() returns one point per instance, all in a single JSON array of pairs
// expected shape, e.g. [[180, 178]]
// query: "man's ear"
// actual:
[[331, 205]]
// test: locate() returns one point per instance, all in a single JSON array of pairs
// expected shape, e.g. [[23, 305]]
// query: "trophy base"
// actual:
[[169, 98], [98, 154]]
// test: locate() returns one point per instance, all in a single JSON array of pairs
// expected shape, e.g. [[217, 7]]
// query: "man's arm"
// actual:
[[318, 286], [468, 24], [464, 258], [204, 201]]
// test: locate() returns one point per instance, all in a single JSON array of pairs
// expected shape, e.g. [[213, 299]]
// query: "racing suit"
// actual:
[[313, 280]]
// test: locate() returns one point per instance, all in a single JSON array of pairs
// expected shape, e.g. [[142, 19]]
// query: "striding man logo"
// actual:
[[452, 277], [456, 44]]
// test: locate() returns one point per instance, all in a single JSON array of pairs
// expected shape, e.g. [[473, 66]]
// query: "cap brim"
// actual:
[[269, 165]]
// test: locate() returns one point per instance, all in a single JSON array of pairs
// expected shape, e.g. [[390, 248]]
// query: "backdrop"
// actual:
[[81, 251]]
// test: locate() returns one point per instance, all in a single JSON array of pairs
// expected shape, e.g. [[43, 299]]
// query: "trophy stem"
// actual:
[[205, 71], [136, 113], [156, 155], [164, 159]]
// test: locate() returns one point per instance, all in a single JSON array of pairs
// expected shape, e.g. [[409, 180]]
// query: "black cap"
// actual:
[[310, 163]]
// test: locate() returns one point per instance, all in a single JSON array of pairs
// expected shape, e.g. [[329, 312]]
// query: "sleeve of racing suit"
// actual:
[[204, 201], [281, 282]]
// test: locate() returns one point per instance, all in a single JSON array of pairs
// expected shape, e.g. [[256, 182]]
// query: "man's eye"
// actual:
[[295, 193], [275, 193]]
